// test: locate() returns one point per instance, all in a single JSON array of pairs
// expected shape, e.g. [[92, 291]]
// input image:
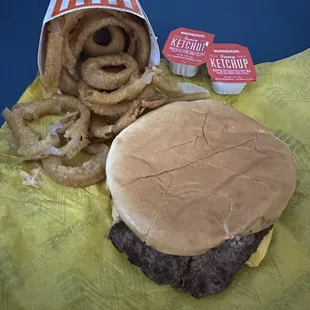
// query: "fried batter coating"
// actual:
[[101, 129], [189, 97], [32, 145], [166, 85], [93, 72], [71, 20], [77, 134], [116, 96], [88, 26], [95, 148], [68, 84], [141, 36], [53, 57], [125, 93], [89, 173]]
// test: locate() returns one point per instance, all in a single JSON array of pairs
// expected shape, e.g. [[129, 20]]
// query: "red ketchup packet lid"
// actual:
[[230, 63], [186, 46]]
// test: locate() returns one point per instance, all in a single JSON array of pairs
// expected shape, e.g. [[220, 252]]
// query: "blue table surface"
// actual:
[[271, 29]]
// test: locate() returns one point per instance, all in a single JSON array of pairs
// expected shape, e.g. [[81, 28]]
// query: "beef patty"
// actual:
[[203, 275]]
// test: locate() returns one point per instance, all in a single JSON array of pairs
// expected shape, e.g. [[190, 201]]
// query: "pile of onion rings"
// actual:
[[98, 59]]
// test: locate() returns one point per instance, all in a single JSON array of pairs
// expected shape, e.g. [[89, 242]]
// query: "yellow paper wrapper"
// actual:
[[54, 251]]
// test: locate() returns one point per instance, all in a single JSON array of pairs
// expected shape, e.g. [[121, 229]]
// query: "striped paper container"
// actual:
[[58, 8]]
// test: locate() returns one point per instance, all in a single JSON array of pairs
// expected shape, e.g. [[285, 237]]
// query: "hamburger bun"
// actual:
[[190, 175]]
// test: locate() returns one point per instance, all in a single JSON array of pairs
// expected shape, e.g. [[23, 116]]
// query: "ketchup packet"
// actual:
[[230, 67], [185, 50]]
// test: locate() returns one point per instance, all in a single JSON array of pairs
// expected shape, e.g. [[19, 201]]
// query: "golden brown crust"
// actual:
[[140, 35], [100, 129], [87, 27], [94, 74], [166, 85], [95, 148], [68, 84], [71, 20], [190, 175], [130, 91], [32, 144], [189, 97], [53, 58], [89, 173]]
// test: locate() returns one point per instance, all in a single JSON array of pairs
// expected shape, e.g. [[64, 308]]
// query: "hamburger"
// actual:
[[196, 187]]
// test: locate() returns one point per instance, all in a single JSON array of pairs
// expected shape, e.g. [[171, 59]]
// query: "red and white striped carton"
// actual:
[[58, 8]]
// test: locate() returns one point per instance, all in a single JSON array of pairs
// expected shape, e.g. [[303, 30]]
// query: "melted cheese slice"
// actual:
[[261, 252]]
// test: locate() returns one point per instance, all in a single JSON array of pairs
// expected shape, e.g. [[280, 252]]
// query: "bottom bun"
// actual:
[[203, 275]]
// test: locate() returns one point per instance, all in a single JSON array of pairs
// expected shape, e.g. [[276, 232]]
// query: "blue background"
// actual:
[[272, 29]]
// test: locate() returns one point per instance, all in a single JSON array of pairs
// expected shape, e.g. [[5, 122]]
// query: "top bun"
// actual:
[[190, 175]]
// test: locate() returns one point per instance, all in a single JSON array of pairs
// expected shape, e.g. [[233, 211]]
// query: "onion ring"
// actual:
[[87, 27], [189, 97], [32, 145], [141, 35], [53, 58], [132, 43], [95, 148], [68, 84], [128, 92], [31, 142], [116, 45], [109, 110], [132, 48], [155, 104], [105, 110], [76, 135], [96, 124], [166, 85], [150, 93], [90, 173], [93, 72], [71, 20], [152, 98], [102, 130], [65, 123], [158, 91]]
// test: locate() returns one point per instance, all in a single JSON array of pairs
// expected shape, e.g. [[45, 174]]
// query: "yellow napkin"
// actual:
[[54, 251]]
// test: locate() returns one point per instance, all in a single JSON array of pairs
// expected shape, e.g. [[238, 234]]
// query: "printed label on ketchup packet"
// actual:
[[186, 46], [230, 63]]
